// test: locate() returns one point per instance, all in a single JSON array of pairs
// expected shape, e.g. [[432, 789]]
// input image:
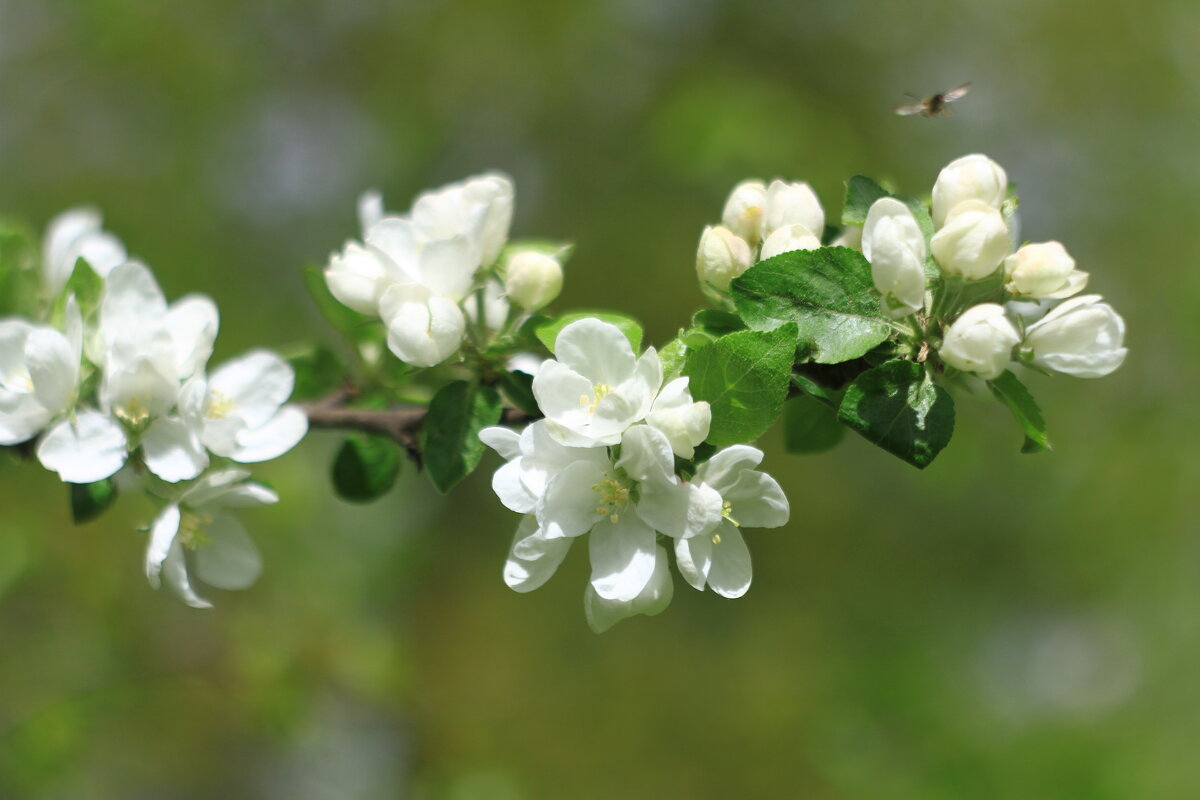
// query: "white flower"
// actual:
[[73, 235], [894, 244], [787, 239], [533, 456], [1083, 337], [424, 329], [595, 388], [743, 214], [749, 498], [39, 374], [685, 423], [479, 208], [621, 506], [533, 559], [224, 555], [532, 279], [981, 340], [359, 275], [973, 177], [721, 257], [792, 204], [973, 242], [1043, 271]]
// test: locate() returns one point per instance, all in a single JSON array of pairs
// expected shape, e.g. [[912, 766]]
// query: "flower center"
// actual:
[[614, 495], [599, 390], [134, 413], [191, 529], [727, 513], [218, 406]]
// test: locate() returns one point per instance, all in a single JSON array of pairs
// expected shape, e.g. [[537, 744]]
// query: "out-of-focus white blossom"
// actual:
[[973, 177], [73, 235], [1083, 337], [792, 203], [721, 257], [981, 340], [973, 242], [787, 239], [894, 244], [744, 210], [532, 279]]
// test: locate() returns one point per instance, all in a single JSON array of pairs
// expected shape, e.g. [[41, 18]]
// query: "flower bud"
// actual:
[[973, 241], [792, 204], [786, 239], [721, 257], [1082, 337], [743, 213], [981, 340], [532, 279], [1043, 271], [974, 177], [892, 241]]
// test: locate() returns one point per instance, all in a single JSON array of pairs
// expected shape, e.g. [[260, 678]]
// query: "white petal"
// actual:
[[395, 239], [423, 329], [532, 559], [504, 441], [192, 322], [162, 536], [13, 372], [228, 560], [568, 508], [61, 235], [622, 556], [693, 557], [21, 417], [596, 350], [175, 572], [256, 384], [654, 598], [787, 239], [53, 368], [757, 501], [680, 510], [370, 209], [357, 277], [646, 455], [172, 450], [723, 470], [448, 266], [731, 572], [101, 250], [86, 451], [507, 484], [272, 439], [131, 296]]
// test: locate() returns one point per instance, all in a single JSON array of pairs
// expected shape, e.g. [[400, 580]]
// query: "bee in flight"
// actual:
[[935, 106]]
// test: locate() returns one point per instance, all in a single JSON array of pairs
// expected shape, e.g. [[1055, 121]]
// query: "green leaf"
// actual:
[[673, 355], [319, 371], [19, 279], [86, 285], [365, 467], [90, 500], [1010, 391], [861, 192], [450, 439], [518, 388], [810, 426], [828, 293], [744, 377], [717, 322], [548, 331], [354, 326], [897, 407]]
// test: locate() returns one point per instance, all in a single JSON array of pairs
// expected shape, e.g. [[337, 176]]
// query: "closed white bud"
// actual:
[[892, 241], [721, 257], [786, 239], [743, 213], [792, 204], [1082, 337], [974, 177], [1043, 271], [981, 340], [973, 241], [532, 279]]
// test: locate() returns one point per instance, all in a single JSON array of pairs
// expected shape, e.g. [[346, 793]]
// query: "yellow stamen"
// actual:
[[218, 406], [716, 538], [191, 529]]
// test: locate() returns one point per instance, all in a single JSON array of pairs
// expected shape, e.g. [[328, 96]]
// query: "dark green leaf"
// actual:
[[548, 331], [1010, 391], [861, 192], [85, 285], [717, 322], [90, 500], [897, 407], [365, 467], [744, 377], [518, 388], [354, 326], [828, 293], [450, 439], [319, 371], [810, 426]]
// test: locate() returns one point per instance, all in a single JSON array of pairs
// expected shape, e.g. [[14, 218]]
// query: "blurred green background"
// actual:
[[998, 626]]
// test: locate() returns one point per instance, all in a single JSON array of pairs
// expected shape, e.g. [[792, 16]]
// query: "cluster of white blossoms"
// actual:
[[426, 274], [759, 221], [120, 384], [603, 463], [1037, 325]]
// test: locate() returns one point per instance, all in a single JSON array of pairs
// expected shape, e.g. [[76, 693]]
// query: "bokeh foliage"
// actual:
[[997, 626]]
